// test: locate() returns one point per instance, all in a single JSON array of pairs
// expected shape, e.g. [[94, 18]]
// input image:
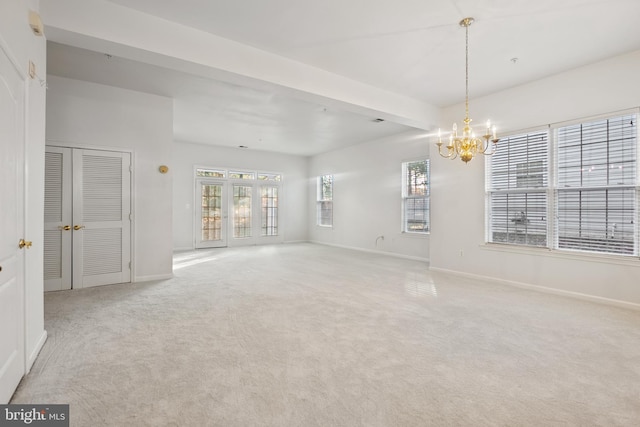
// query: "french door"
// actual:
[[235, 213], [87, 237]]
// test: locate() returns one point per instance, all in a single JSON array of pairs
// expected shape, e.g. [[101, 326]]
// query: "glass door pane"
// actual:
[[211, 216]]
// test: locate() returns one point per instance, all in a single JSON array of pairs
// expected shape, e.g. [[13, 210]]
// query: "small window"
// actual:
[[241, 175], [276, 177], [325, 200], [210, 173], [415, 196]]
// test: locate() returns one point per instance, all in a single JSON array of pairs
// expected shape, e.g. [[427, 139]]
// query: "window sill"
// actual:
[[563, 254], [414, 235]]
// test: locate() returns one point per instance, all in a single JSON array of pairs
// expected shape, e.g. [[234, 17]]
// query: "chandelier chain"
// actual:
[[466, 72]]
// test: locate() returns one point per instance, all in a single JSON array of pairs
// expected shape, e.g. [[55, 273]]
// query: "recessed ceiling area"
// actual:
[[207, 111], [304, 78]]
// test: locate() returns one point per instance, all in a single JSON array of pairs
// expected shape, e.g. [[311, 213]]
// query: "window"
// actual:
[[211, 212], [269, 197], [518, 180], [242, 210], [591, 192], [210, 173], [325, 200], [596, 201], [415, 196], [242, 175]]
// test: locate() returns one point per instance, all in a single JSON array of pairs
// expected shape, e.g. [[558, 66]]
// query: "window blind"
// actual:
[[596, 200], [518, 181]]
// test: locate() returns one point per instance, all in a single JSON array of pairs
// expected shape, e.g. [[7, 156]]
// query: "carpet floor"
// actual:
[[308, 335]]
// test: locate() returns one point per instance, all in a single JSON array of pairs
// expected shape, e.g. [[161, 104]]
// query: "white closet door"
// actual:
[[57, 219], [101, 223], [12, 311]]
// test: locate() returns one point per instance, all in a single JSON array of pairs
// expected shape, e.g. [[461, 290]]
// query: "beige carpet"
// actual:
[[307, 335]]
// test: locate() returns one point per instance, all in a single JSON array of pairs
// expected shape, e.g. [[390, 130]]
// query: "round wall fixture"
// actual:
[[163, 169]]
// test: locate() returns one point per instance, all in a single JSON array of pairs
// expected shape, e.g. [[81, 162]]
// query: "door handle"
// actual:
[[22, 243], [78, 227], [65, 227]]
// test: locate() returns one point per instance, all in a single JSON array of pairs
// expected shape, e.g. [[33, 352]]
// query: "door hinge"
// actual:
[[130, 217], [130, 168], [129, 265]]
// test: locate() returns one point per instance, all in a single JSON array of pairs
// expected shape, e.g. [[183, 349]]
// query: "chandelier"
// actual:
[[467, 145]]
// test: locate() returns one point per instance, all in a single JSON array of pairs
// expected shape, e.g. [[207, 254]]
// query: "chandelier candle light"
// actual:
[[468, 145]]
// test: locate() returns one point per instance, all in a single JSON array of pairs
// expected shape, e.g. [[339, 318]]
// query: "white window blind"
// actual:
[[517, 197], [597, 193]]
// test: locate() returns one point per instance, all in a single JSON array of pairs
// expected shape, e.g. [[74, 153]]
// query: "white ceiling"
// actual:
[[410, 47]]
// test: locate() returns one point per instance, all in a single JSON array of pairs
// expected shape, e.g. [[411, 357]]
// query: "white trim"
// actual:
[[152, 277], [371, 251], [36, 351], [544, 289]]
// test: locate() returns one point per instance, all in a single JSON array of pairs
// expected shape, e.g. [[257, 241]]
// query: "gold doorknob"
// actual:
[[22, 243], [66, 227], [78, 227]]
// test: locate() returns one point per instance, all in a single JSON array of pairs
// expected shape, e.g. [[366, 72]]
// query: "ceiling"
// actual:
[[410, 47]]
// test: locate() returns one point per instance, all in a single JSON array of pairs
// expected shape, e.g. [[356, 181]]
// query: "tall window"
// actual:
[[592, 198], [325, 200], [415, 196], [269, 198], [597, 186], [518, 181]]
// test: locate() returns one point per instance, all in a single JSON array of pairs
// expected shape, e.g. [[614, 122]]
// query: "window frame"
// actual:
[[554, 193], [323, 201], [407, 198]]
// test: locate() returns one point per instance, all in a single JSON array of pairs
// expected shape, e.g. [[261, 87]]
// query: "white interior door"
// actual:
[[101, 252], [211, 214], [12, 359], [57, 219]]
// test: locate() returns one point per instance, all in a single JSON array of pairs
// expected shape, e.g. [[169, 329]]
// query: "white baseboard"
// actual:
[[34, 354], [154, 277], [371, 251], [571, 294]]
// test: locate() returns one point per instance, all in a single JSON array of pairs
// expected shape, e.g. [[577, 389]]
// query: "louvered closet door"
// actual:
[[101, 225], [57, 219]]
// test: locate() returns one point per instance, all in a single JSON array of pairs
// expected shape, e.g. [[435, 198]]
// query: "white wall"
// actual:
[[293, 208], [24, 46], [367, 195], [458, 190], [81, 114]]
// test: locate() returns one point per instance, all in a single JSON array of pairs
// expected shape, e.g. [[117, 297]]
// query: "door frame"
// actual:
[[132, 186]]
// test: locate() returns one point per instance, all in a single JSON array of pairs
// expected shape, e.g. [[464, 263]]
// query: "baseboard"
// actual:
[[576, 295], [186, 248], [36, 351], [371, 251], [154, 277]]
